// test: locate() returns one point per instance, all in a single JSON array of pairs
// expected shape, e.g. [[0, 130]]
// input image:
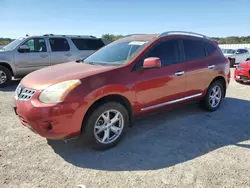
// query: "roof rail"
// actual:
[[90, 36], [182, 33]]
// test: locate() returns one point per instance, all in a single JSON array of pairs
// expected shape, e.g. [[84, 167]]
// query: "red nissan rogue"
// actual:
[[98, 97]]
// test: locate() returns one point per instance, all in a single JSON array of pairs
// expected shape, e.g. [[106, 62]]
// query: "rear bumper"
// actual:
[[57, 121]]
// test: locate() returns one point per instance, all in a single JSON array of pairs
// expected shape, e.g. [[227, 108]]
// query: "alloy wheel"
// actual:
[[3, 77], [109, 126], [215, 96]]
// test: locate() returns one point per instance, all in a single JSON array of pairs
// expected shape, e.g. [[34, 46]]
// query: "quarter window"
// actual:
[[59, 44], [194, 49], [168, 52], [87, 44], [36, 45]]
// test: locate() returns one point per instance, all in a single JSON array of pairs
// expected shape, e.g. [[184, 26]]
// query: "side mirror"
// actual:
[[80, 59], [24, 48], [151, 62]]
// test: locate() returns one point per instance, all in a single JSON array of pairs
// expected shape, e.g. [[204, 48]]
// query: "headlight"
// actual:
[[57, 93], [239, 68]]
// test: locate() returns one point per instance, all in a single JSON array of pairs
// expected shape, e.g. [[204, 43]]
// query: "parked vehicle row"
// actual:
[[236, 56], [30, 53], [99, 97]]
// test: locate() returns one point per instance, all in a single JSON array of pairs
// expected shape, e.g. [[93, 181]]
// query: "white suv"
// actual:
[[30, 53], [236, 56]]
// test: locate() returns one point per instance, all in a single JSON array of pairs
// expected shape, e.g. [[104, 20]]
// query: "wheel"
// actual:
[[214, 96], [232, 62], [5, 76], [106, 126]]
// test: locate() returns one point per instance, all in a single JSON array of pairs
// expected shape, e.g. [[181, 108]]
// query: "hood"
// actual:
[[245, 64], [45, 77]]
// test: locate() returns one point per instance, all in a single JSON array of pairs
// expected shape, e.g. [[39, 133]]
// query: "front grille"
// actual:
[[23, 93]]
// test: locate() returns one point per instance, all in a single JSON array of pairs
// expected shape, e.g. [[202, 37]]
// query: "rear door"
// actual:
[[60, 50], [35, 58], [161, 86], [86, 46], [199, 67]]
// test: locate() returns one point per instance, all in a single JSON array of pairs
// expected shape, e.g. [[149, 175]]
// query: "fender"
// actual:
[[7, 58]]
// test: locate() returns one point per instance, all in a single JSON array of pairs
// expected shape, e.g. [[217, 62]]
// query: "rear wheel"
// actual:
[[106, 126], [5, 76], [214, 96]]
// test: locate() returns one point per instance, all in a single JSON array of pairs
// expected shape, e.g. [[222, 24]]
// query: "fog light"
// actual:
[[47, 126]]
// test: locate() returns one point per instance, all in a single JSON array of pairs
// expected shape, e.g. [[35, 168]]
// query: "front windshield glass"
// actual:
[[117, 53], [13, 44]]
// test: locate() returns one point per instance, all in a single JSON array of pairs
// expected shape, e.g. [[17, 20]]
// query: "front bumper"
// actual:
[[53, 121], [242, 75]]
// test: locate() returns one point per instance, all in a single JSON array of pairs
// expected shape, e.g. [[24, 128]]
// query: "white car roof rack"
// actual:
[[189, 33]]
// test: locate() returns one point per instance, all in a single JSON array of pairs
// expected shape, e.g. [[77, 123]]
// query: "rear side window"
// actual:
[[88, 44], [194, 49], [59, 44], [210, 48], [168, 52]]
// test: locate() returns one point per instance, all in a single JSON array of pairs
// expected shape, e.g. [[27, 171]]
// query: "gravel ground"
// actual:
[[184, 147]]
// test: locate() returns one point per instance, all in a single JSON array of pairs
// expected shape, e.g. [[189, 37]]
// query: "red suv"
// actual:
[[99, 96]]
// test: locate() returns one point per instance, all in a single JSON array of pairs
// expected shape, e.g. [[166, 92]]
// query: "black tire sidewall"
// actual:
[[88, 128], [206, 102], [8, 74]]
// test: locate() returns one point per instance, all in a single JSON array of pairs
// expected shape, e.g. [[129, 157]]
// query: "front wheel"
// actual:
[[214, 96], [106, 125], [5, 76]]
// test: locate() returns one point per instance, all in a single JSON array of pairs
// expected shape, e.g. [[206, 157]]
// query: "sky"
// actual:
[[96, 17]]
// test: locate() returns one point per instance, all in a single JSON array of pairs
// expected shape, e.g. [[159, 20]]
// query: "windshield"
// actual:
[[13, 44], [117, 53], [229, 51]]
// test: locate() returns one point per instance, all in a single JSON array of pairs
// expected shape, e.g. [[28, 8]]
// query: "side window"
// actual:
[[88, 44], [168, 51], [210, 48], [194, 49], [59, 44], [240, 51], [35, 45]]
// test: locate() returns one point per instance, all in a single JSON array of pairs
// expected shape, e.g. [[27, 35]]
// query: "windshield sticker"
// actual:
[[139, 43]]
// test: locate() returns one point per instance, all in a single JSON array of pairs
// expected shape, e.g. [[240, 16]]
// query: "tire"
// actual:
[[94, 139], [206, 102], [232, 62], [5, 76]]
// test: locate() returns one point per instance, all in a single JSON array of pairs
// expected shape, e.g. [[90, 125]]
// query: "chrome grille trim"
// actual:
[[23, 94]]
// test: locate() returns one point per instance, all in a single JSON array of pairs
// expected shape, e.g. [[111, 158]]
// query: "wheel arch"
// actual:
[[8, 66], [110, 98], [223, 81]]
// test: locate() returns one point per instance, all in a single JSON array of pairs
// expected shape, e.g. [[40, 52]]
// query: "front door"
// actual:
[[35, 58], [161, 86]]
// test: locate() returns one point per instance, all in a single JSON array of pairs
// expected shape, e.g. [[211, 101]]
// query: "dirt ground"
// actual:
[[184, 147]]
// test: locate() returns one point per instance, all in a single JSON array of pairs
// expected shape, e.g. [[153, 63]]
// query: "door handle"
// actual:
[[43, 56], [211, 66], [179, 73], [68, 54]]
